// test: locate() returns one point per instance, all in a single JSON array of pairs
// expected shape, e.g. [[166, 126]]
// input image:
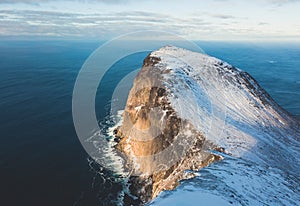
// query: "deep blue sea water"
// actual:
[[41, 159]]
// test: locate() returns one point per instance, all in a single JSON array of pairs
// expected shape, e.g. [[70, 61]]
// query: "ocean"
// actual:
[[41, 159]]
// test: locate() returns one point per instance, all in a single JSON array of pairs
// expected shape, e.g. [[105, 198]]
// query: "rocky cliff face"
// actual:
[[185, 109]]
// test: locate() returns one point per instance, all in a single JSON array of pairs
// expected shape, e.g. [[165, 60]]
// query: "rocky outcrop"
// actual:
[[182, 107]]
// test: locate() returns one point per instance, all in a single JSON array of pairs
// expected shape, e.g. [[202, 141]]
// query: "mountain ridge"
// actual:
[[184, 105]]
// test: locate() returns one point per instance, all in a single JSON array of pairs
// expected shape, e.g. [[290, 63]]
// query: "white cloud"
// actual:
[[43, 1], [218, 19]]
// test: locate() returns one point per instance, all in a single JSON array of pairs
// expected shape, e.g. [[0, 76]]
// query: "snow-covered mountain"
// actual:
[[190, 115]]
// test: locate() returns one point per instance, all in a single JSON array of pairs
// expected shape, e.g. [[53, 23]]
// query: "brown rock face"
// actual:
[[158, 144]]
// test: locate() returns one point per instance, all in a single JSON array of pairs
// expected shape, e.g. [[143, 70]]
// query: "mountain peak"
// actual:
[[187, 110]]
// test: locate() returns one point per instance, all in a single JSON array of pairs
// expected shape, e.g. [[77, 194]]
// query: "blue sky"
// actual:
[[192, 19]]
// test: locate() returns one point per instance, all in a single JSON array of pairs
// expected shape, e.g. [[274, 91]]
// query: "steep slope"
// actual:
[[185, 109]]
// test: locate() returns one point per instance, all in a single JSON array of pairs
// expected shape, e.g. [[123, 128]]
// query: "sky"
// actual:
[[266, 20]]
